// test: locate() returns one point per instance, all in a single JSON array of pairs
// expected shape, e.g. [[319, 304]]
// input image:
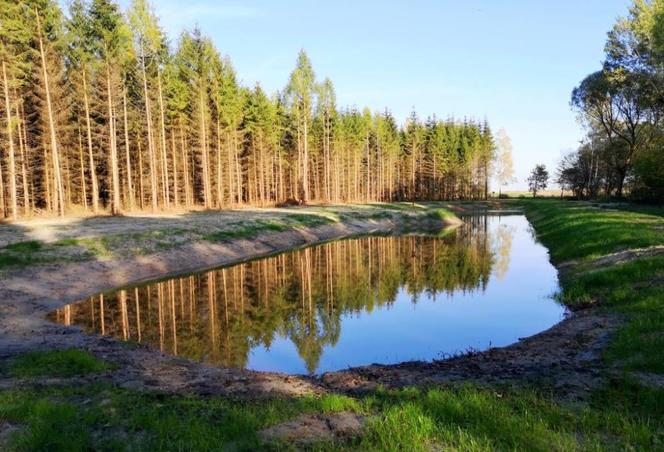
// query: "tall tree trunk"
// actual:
[[185, 168], [141, 187], [368, 157], [115, 173], [84, 194], [23, 143], [219, 168], [204, 155], [151, 151], [93, 169], [176, 191], [130, 186], [164, 154], [3, 208], [51, 122], [305, 164], [238, 169], [13, 205]]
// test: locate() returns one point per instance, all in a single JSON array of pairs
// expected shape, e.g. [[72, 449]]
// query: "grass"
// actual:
[[474, 418], [632, 289], [21, 254], [107, 246], [60, 363], [24, 247], [622, 414], [309, 220], [574, 230], [246, 230], [102, 417], [440, 214]]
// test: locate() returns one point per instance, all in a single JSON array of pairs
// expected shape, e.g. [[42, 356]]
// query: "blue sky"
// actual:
[[514, 62]]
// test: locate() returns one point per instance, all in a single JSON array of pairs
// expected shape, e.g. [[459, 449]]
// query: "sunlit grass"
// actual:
[[580, 231], [633, 289]]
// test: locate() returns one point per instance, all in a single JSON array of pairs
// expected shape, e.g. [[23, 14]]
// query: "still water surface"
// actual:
[[345, 303]]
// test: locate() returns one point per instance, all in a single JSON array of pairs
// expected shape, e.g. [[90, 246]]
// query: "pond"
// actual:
[[346, 303]]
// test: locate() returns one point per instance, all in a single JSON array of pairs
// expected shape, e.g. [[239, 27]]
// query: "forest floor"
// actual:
[[594, 381]]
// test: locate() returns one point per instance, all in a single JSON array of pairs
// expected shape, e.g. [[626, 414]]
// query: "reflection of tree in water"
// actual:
[[219, 316], [502, 248]]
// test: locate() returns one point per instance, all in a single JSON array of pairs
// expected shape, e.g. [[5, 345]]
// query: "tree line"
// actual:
[[100, 113], [622, 106]]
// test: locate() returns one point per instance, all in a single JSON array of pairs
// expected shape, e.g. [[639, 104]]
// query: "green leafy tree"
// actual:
[[538, 179]]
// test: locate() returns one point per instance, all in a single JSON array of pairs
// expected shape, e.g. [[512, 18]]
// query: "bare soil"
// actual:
[[308, 428]]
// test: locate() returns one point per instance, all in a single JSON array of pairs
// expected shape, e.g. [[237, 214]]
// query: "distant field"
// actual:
[[540, 194]]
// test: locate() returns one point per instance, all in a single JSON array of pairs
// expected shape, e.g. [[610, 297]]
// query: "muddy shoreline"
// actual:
[[565, 358]]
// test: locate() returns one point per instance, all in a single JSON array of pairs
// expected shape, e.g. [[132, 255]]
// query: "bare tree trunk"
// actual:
[[219, 169], [84, 194], [204, 156], [176, 201], [368, 188], [51, 122], [3, 208], [13, 205], [305, 163], [141, 187], [163, 144], [238, 173], [130, 186], [115, 174], [23, 143], [93, 170], [231, 177], [185, 168]]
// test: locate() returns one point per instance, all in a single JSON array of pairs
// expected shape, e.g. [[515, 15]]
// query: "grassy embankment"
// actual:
[[623, 414]]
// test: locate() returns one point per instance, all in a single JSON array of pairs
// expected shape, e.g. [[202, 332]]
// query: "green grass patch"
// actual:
[[243, 230], [25, 247], [574, 230], [309, 220], [440, 214], [109, 246], [60, 363], [473, 418], [21, 254], [102, 417]]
